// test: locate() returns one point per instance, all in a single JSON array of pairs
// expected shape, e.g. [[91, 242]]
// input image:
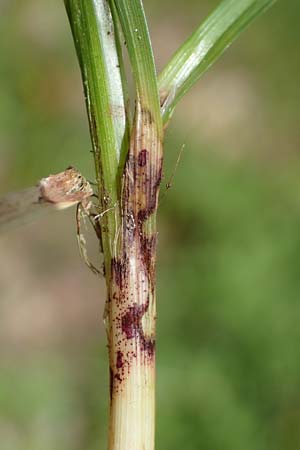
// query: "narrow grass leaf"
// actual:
[[203, 47]]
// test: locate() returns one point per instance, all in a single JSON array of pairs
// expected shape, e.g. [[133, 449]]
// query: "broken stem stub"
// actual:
[[57, 191]]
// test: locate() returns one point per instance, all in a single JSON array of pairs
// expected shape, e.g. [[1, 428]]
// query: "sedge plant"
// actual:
[[127, 134]]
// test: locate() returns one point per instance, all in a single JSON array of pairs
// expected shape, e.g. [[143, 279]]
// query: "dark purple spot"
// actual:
[[148, 346], [132, 327], [148, 246], [131, 320], [120, 361], [117, 376], [142, 157], [151, 202], [119, 271], [143, 214]]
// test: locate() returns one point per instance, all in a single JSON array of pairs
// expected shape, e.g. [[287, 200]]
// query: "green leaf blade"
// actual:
[[203, 47], [135, 30], [98, 53]]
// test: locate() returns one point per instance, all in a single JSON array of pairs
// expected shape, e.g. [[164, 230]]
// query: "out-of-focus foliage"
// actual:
[[229, 257]]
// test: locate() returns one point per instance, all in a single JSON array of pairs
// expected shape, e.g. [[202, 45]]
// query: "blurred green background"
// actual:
[[229, 248]]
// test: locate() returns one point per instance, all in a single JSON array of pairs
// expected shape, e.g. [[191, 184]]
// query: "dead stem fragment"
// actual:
[[58, 191]]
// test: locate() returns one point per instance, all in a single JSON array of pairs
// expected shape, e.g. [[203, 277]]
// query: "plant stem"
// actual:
[[132, 311], [129, 231], [129, 173], [131, 321]]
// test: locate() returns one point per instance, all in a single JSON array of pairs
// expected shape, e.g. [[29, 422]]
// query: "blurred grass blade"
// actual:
[[203, 47]]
